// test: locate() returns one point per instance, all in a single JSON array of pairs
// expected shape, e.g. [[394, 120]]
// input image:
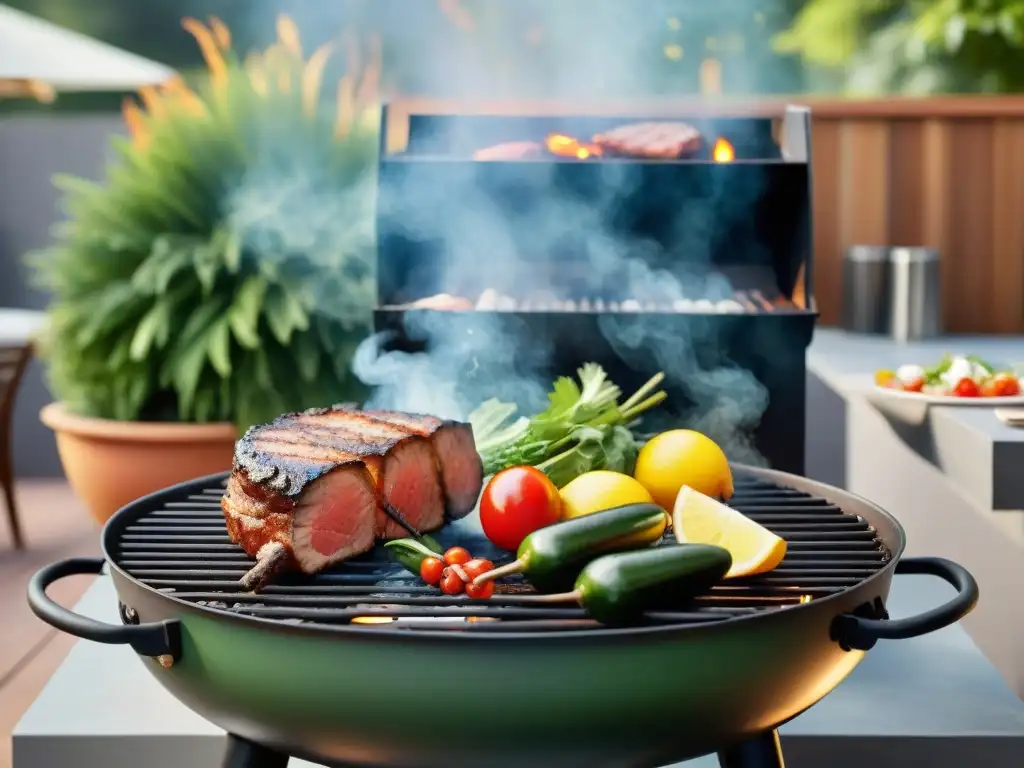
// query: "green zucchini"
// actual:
[[616, 589], [552, 558]]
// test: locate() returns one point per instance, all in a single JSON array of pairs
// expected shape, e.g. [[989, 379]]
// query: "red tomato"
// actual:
[[452, 583], [430, 570], [517, 502], [966, 388], [1005, 385], [457, 556], [480, 591], [477, 566], [914, 385]]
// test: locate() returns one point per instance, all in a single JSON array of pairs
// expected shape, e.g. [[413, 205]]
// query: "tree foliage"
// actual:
[[913, 46]]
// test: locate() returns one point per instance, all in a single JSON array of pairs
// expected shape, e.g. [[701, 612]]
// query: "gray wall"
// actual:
[[32, 149]]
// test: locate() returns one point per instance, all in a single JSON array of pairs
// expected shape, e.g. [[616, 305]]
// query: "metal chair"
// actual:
[[13, 362]]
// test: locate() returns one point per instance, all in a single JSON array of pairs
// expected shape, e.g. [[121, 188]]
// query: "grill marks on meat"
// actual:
[[649, 140], [459, 464], [313, 488], [660, 141], [402, 462]]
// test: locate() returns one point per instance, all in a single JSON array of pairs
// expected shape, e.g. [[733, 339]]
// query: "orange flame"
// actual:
[[723, 152], [567, 146]]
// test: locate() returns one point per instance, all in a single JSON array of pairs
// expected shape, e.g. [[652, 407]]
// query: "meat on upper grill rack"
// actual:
[[183, 548], [741, 302]]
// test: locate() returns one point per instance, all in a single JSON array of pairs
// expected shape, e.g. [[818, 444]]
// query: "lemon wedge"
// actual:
[[699, 519]]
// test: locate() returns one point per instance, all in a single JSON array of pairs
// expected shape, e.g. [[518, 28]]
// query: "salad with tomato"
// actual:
[[953, 376]]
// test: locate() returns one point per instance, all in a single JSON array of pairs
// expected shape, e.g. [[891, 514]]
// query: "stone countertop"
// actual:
[[933, 700], [968, 443]]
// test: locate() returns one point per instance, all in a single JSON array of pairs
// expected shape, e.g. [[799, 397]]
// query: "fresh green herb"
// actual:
[[933, 375], [608, 447], [583, 428]]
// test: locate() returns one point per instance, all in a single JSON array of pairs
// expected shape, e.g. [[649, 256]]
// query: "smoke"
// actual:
[[565, 246], [470, 360], [500, 243]]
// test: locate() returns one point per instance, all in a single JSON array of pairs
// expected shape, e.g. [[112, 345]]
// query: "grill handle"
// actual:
[[857, 633], [158, 639]]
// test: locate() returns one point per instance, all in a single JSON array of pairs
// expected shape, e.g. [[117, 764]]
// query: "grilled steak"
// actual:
[[512, 150], [313, 488], [462, 471], [663, 141]]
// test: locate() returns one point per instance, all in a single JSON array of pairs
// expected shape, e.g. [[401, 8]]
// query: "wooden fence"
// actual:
[[946, 173], [942, 172]]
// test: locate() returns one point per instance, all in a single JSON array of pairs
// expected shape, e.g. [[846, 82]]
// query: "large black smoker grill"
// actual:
[[526, 229]]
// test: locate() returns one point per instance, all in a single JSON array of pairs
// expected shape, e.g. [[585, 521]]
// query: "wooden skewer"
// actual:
[[269, 560]]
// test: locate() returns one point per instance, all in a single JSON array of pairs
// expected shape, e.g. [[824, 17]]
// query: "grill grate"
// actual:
[[741, 302], [182, 548]]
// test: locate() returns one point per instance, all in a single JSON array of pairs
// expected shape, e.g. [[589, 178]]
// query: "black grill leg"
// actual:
[[245, 754], [762, 751]]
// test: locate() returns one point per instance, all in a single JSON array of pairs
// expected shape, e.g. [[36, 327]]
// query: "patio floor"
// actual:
[[55, 526]]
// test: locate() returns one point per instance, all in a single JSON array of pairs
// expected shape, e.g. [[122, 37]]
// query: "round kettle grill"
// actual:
[[364, 666]]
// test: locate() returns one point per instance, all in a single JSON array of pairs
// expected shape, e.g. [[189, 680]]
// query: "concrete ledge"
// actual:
[[980, 454]]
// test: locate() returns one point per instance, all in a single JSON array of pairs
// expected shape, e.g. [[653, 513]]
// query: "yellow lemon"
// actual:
[[699, 519], [598, 490], [683, 457]]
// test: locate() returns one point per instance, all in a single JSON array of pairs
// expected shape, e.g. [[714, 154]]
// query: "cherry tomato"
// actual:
[[914, 385], [989, 388], [477, 566], [457, 556], [1005, 385], [430, 570], [480, 591], [517, 502], [452, 583], [966, 388]]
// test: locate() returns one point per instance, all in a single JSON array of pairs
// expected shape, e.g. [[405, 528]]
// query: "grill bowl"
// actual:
[[380, 696]]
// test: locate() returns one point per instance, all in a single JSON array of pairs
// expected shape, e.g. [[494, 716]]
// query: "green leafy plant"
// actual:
[[223, 269]]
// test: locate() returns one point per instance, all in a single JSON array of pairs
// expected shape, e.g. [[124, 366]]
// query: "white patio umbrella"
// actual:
[[38, 58]]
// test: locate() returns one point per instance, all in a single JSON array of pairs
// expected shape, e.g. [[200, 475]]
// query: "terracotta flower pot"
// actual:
[[110, 463]]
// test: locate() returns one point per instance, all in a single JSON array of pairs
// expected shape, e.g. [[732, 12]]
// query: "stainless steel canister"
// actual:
[[915, 306], [866, 289]]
